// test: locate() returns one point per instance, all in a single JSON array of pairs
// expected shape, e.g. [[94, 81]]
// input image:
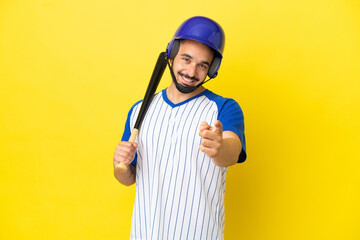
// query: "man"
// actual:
[[188, 138]]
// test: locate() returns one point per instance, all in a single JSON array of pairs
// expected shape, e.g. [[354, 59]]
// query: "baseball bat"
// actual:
[[149, 94]]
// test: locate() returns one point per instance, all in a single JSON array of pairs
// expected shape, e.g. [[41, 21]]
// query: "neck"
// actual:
[[175, 96]]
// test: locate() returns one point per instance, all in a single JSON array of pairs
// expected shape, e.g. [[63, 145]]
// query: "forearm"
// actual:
[[127, 178], [229, 152]]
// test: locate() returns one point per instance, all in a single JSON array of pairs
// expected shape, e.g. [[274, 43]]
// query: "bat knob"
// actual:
[[120, 168]]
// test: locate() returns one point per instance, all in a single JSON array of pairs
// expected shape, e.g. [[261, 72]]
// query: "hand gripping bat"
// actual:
[[154, 82]]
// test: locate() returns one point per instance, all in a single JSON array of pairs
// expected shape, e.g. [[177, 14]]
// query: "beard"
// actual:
[[184, 88]]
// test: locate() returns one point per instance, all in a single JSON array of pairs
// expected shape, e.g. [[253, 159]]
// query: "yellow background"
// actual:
[[70, 70]]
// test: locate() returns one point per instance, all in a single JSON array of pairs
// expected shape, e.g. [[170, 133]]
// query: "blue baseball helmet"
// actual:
[[204, 30]]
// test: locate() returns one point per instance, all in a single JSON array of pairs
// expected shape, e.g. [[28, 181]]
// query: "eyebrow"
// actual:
[[188, 56]]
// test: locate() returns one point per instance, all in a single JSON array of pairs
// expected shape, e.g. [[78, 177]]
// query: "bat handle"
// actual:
[[121, 167]]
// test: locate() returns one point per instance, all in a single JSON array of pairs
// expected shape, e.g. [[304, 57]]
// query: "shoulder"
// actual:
[[223, 104], [134, 106], [137, 105]]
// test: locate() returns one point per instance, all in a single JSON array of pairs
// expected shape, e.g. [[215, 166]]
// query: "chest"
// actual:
[[177, 127]]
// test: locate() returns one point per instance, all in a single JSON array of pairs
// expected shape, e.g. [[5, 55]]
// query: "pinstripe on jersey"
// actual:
[[179, 190]]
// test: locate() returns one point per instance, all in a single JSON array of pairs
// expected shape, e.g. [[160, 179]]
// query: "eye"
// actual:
[[203, 66], [187, 60]]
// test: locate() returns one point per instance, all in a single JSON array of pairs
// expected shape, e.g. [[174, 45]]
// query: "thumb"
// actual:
[[218, 127]]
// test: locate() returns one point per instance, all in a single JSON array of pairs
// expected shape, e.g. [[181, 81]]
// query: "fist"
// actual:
[[124, 152], [211, 138]]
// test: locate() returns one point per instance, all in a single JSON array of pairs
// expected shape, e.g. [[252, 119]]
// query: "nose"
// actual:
[[191, 71]]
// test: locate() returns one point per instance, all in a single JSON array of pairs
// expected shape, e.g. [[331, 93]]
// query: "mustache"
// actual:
[[187, 76]]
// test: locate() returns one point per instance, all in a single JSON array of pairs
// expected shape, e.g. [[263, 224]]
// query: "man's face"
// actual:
[[192, 63]]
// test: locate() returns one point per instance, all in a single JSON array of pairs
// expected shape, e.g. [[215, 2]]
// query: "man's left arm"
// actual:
[[223, 147]]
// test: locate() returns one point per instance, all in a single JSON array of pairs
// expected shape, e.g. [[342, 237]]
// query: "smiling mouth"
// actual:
[[187, 79]]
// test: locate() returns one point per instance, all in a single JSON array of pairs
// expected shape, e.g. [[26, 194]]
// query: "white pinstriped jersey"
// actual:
[[179, 190]]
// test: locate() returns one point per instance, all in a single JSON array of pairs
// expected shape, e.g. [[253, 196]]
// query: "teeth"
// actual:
[[187, 80]]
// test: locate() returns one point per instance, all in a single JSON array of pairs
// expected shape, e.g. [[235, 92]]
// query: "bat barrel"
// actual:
[[153, 84]]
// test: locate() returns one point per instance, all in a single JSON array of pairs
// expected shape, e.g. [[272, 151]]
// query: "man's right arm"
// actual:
[[125, 152]]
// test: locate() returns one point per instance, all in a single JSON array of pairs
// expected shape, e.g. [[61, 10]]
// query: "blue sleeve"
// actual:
[[232, 119], [127, 132]]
